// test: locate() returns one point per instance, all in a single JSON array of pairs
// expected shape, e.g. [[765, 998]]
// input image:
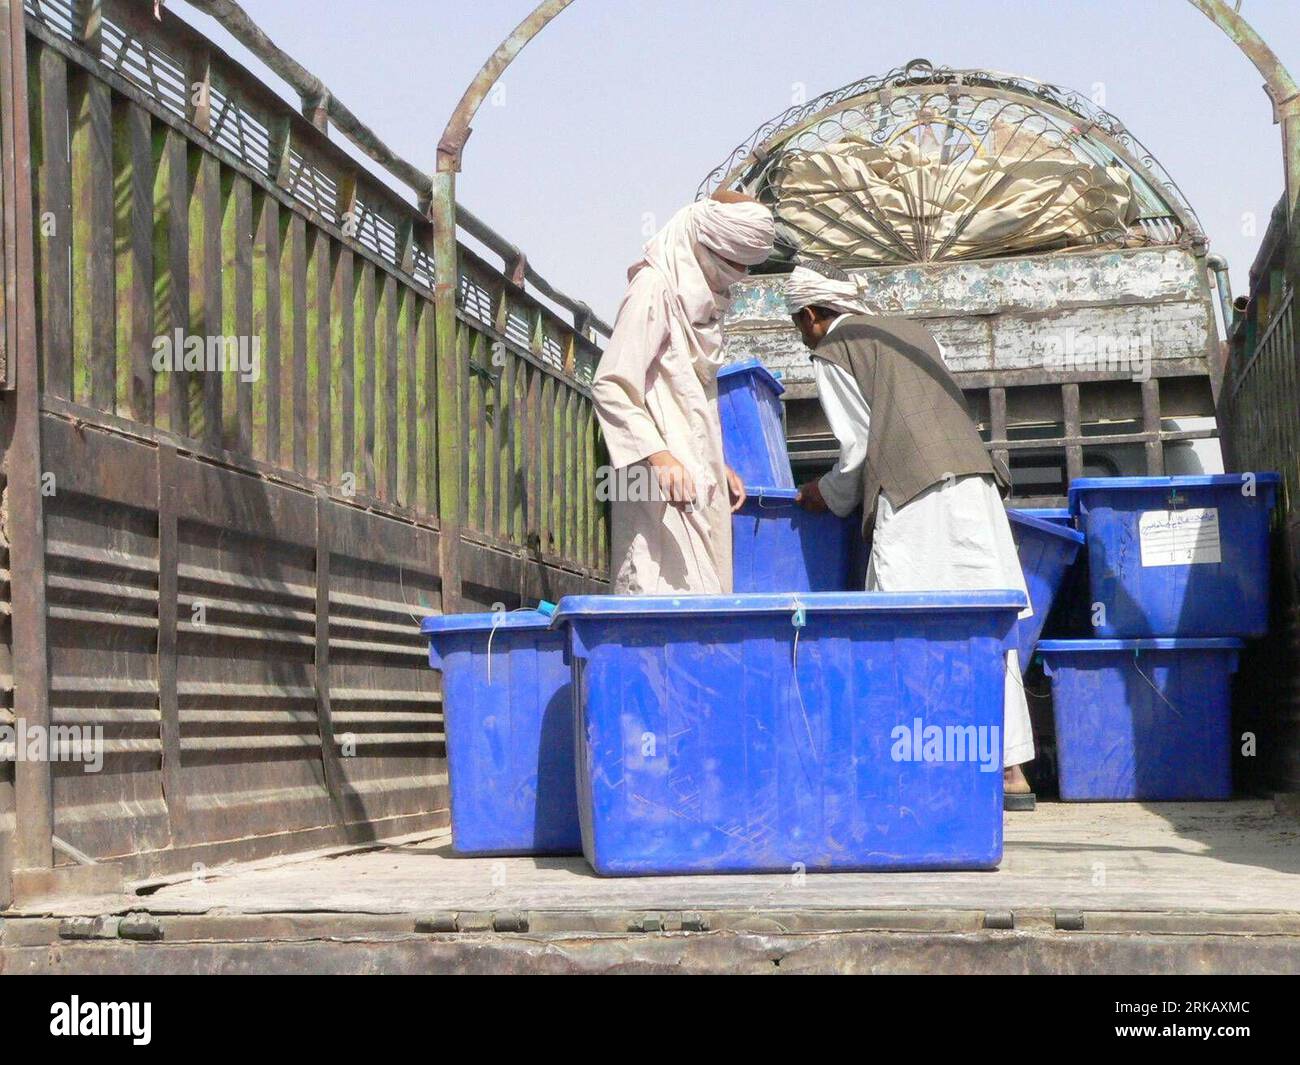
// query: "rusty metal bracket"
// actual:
[[140, 926], [451, 923], [1282, 109], [438, 924]]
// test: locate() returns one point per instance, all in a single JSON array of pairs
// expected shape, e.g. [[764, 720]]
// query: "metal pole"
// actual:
[[1289, 117], [451, 376], [451, 381]]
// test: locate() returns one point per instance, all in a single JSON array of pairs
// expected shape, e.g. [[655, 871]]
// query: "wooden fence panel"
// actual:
[[238, 402], [52, 203]]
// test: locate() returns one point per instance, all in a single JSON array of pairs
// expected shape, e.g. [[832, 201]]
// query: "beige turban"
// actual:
[[693, 254]]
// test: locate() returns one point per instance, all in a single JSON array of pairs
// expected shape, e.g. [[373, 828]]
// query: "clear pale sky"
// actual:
[[613, 115]]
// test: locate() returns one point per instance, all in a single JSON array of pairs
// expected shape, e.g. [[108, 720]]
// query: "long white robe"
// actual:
[[953, 536], [650, 399], [656, 390]]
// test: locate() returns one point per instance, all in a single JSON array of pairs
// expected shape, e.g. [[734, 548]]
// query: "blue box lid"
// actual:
[[1043, 512], [755, 369], [1047, 527], [1147, 484], [442, 624], [777, 498], [639, 606], [1167, 643]]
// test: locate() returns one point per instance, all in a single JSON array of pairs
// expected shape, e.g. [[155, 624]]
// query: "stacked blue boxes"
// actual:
[[1178, 575], [797, 726], [777, 546]]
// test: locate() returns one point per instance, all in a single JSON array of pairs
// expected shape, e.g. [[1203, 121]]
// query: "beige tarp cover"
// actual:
[[899, 203]]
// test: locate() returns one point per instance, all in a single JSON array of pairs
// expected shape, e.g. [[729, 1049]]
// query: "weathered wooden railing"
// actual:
[[220, 563], [1263, 401], [193, 198], [1260, 416]]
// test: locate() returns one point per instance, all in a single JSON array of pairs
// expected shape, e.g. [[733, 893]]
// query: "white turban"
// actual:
[[742, 232], [809, 286], [693, 254]]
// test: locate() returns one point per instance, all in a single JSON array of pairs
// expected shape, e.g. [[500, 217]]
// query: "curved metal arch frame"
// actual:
[[1052, 100], [1049, 99], [451, 145], [1279, 83], [1281, 87]]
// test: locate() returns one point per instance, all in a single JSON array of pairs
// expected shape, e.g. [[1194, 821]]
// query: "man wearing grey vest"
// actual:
[[911, 456]]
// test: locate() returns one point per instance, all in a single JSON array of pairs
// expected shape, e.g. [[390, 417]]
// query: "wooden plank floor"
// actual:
[[1217, 858]]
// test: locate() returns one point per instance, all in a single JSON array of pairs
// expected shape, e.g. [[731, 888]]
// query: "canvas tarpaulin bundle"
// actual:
[[900, 203]]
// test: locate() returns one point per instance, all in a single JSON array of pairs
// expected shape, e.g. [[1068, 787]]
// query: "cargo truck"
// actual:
[[214, 574]]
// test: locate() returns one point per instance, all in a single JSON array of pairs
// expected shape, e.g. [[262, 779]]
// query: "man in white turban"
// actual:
[[911, 456], [655, 393]]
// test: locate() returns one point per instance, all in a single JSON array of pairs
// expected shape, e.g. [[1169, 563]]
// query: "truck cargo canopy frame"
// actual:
[[927, 164]]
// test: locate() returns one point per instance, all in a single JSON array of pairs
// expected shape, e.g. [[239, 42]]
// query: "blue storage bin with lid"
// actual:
[[753, 433], [777, 546], [1177, 556], [1047, 552], [508, 716], [779, 733], [1142, 720]]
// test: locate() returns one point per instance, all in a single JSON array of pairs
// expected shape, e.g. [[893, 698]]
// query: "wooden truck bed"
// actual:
[[1158, 888]]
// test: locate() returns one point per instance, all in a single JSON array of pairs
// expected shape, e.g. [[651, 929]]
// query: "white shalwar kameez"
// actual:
[[952, 537]]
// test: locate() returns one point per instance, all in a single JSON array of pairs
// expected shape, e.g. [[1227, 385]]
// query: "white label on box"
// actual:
[[1180, 537]]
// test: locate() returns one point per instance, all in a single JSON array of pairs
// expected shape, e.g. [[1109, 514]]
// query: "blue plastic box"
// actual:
[[508, 714], [1177, 556], [785, 733], [777, 546], [1142, 720], [753, 434], [1047, 552]]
